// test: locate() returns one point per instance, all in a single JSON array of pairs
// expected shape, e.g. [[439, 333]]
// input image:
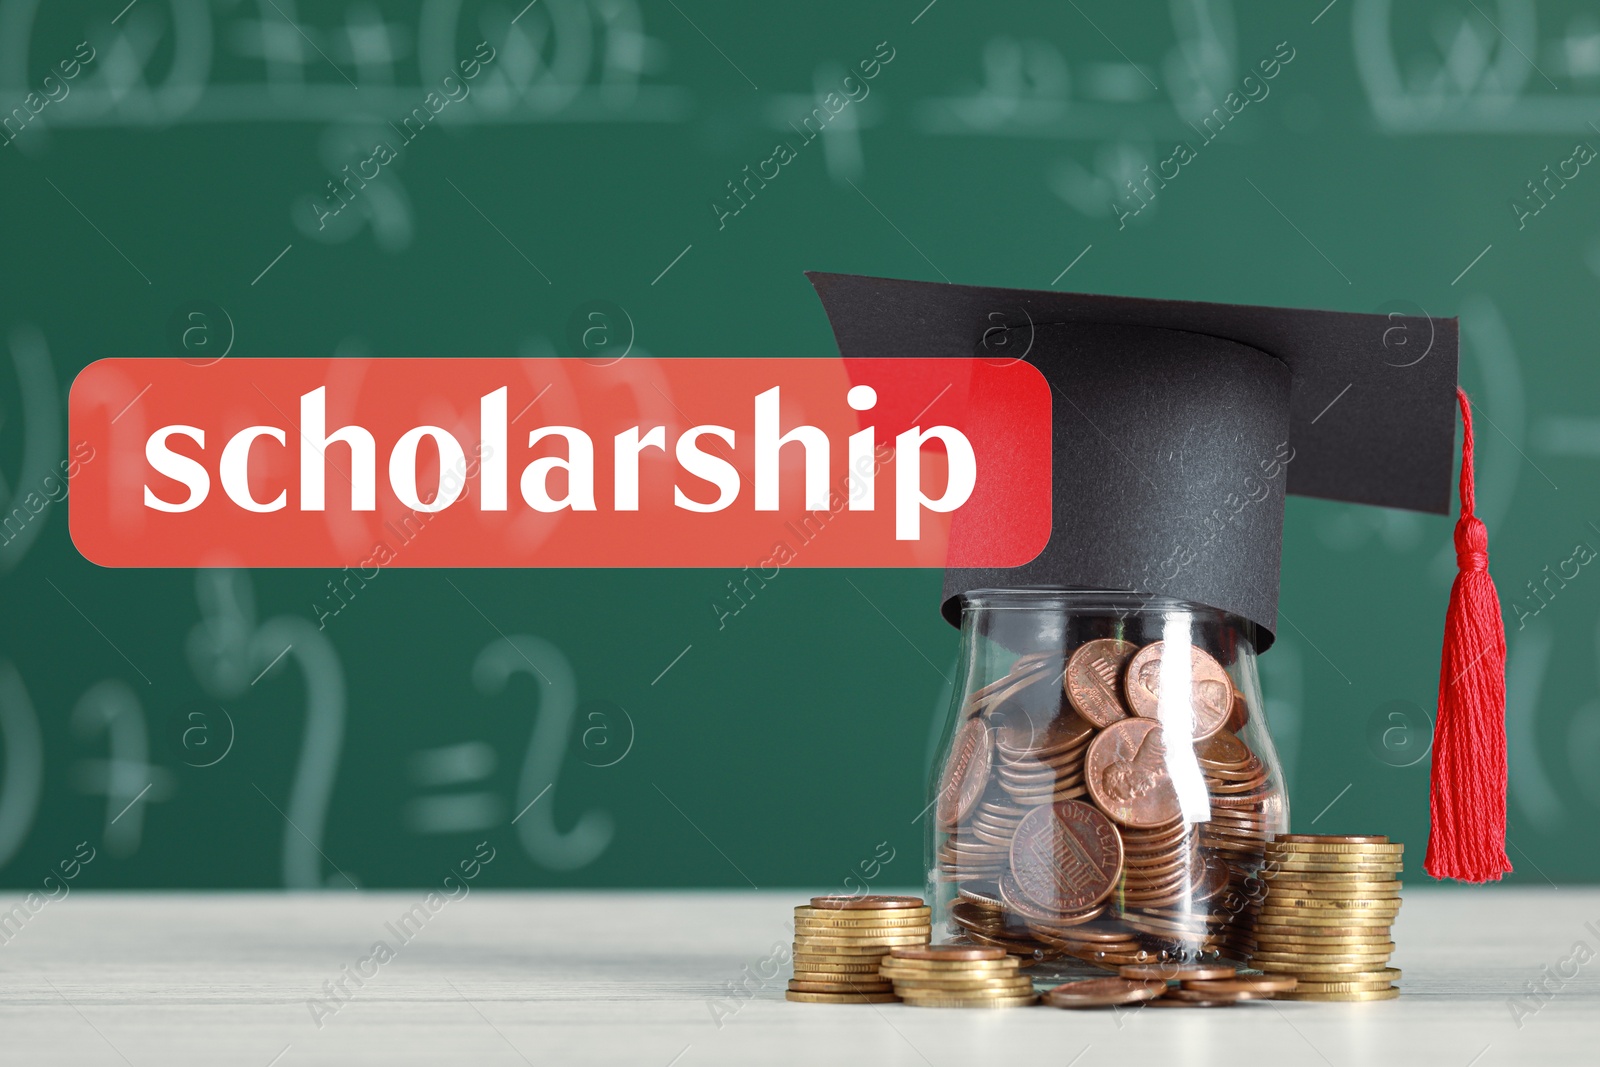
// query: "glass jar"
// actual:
[[1100, 800]]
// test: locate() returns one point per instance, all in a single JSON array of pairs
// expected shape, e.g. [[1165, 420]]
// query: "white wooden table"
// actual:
[[629, 978]]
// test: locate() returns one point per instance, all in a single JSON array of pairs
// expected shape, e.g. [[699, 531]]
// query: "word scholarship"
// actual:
[[561, 481]]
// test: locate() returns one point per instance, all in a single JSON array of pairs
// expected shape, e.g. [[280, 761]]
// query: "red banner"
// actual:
[[561, 463]]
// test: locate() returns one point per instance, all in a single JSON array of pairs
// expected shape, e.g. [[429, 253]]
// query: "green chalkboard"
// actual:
[[173, 183]]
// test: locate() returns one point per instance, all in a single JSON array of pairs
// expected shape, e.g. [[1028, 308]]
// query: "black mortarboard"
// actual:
[[1179, 426]]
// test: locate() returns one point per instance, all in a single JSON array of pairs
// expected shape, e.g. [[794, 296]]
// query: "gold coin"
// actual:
[[970, 1002], [978, 969], [855, 964], [1283, 898], [1324, 944], [1298, 917], [1330, 891], [839, 998], [861, 978], [804, 911], [1307, 971], [1317, 866], [847, 946], [1381, 975], [806, 948], [1320, 958], [865, 933], [1340, 987], [859, 924], [1333, 848], [1352, 995], [801, 985], [966, 987]]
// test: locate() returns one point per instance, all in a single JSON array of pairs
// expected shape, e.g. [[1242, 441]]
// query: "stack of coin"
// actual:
[[957, 976], [1325, 918], [840, 940]]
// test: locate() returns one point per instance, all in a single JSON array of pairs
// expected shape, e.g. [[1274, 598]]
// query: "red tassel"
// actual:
[[1468, 796]]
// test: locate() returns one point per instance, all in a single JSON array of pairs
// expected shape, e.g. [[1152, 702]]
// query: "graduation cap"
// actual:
[[1178, 428]]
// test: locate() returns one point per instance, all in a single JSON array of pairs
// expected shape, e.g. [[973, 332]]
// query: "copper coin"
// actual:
[[947, 952], [1224, 749], [966, 773], [1177, 1002], [1103, 992], [1126, 774], [1210, 689], [1263, 984], [1186, 972], [1066, 856], [866, 903], [1093, 680], [1195, 996]]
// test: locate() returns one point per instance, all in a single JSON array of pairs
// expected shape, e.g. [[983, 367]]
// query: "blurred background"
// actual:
[[167, 181]]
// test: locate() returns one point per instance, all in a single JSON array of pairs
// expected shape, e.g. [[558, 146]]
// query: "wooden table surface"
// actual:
[[642, 978]]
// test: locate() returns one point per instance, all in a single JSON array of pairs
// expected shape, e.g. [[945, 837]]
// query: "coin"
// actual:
[[1190, 972], [800, 986], [862, 977], [1103, 992], [960, 985], [1334, 839], [1066, 856], [839, 998], [947, 953], [1264, 984], [1286, 967], [814, 926], [853, 965], [947, 1001], [1353, 995], [1308, 947], [867, 903], [1224, 749], [1175, 1002], [1342, 851], [1201, 997], [966, 772], [1126, 774], [1093, 680], [1325, 891], [1345, 955], [1378, 977], [874, 949], [925, 969], [1211, 691], [920, 938]]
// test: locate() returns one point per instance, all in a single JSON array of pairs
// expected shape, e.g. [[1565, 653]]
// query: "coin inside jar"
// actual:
[[1126, 775], [966, 773], [1066, 856], [1093, 679], [1210, 689]]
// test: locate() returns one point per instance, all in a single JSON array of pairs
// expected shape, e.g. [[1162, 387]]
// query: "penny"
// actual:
[[1188, 972], [1175, 1002], [966, 773], [1223, 748], [839, 998], [867, 903], [1211, 691], [1126, 773], [1093, 679], [1103, 992], [947, 952], [1066, 856]]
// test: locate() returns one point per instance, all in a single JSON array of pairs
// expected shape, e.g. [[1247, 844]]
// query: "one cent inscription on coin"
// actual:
[[1066, 856]]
